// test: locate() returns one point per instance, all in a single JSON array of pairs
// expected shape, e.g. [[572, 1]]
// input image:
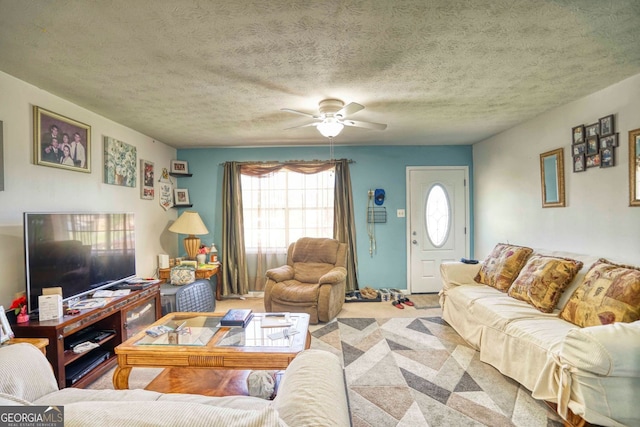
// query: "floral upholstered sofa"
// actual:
[[565, 326]]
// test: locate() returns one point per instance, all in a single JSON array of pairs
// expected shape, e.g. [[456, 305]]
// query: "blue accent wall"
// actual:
[[374, 167]]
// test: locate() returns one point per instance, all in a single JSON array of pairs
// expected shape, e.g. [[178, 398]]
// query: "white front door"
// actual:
[[437, 223]]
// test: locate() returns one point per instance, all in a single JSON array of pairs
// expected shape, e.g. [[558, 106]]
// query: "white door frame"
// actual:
[[467, 212]]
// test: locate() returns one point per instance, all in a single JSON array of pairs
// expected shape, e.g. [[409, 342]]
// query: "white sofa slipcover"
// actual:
[[593, 371], [312, 392]]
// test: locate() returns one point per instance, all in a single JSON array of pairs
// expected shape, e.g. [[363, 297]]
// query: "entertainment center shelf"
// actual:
[[122, 318]]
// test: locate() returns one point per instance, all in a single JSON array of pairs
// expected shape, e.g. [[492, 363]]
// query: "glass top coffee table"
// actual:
[[200, 342]]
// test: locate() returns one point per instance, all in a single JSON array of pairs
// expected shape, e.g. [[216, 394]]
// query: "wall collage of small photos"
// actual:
[[594, 145]]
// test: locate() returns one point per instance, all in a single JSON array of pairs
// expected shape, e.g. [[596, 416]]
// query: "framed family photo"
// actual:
[[578, 134], [593, 147], [181, 196], [609, 141], [607, 158], [146, 180], [606, 125], [592, 130], [578, 163], [61, 142]]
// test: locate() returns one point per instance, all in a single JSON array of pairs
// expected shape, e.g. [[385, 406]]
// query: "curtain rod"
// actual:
[[278, 162]]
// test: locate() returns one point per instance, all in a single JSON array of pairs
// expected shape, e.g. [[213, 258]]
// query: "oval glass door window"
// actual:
[[438, 215]]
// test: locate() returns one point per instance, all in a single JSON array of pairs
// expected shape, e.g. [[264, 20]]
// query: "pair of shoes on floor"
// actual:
[[368, 293], [399, 303], [401, 299]]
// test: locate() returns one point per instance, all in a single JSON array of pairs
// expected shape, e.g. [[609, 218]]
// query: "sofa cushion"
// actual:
[[310, 272], [542, 281], [295, 292], [609, 293], [502, 266], [166, 413], [309, 249], [32, 383]]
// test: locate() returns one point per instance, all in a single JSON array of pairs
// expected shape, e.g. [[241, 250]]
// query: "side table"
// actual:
[[201, 273]]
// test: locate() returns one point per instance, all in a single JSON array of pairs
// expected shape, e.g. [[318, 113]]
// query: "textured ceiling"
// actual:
[[216, 73]]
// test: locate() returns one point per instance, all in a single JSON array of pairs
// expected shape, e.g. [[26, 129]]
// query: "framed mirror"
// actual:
[[634, 167], [552, 178]]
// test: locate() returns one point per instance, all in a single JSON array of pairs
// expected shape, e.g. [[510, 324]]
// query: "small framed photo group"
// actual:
[[593, 145]]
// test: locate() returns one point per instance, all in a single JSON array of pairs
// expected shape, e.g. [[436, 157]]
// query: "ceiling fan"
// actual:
[[332, 117]]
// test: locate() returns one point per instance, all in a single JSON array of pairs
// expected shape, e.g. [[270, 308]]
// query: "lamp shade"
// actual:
[[189, 223]]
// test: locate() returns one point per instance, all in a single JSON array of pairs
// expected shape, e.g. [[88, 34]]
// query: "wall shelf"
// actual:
[[181, 175]]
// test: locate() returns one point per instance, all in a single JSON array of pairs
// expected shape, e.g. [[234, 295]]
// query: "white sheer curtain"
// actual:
[[279, 208]]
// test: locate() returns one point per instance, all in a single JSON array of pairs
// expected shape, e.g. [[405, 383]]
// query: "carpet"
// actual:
[[412, 371], [420, 372]]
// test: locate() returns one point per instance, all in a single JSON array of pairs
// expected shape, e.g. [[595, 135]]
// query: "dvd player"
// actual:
[[133, 286], [81, 367]]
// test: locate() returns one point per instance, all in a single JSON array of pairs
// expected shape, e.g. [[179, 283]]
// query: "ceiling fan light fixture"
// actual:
[[330, 127]]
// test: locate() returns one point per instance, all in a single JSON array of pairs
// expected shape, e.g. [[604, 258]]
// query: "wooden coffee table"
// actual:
[[205, 345], [207, 382]]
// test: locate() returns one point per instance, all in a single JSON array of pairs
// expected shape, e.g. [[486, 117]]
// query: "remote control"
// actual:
[[469, 261]]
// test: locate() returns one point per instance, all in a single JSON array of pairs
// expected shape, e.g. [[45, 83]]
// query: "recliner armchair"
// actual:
[[313, 281]]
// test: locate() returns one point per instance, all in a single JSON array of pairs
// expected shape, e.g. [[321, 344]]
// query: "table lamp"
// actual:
[[190, 223]]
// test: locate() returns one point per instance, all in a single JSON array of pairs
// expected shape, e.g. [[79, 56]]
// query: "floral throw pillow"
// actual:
[[542, 281], [609, 293], [502, 266]]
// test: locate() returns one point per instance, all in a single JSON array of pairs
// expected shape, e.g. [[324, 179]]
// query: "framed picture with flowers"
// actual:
[[120, 163]]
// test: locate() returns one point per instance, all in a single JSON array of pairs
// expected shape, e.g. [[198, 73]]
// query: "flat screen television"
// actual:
[[79, 252]]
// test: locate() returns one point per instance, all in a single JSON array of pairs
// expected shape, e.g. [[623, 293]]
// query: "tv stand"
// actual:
[[125, 316]]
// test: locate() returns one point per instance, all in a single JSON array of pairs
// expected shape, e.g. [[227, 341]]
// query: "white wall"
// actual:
[[597, 219], [32, 188]]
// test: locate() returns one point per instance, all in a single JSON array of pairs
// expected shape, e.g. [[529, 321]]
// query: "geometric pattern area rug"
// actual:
[[420, 372]]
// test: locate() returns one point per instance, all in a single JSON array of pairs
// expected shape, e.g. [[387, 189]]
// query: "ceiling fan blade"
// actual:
[[351, 108], [302, 113], [368, 125], [304, 125]]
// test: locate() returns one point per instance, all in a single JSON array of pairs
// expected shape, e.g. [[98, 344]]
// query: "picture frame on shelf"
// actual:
[[578, 163], [606, 125], [180, 167], [609, 141], [607, 157], [120, 163], [580, 148], [593, 146], [60, 142], [5, 328], [592, 130], [147, 191], [181, 197], [578, 134]]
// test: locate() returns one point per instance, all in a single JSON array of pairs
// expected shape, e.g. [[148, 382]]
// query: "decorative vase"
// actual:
[[23, 317], [202, 258]]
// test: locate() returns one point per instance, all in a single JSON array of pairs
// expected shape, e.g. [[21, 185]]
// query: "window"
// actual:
[[282, 207], [438, 215]]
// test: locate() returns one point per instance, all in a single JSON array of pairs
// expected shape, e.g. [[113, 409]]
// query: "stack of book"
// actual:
[[237, 317]]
